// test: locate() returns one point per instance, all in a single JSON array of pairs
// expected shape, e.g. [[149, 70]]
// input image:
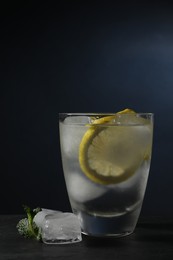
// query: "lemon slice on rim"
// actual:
[[112, 154]]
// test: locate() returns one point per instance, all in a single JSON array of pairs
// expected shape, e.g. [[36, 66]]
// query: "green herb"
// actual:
[[27, 227]]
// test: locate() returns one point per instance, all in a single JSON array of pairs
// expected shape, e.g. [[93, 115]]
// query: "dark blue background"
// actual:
[[80, 57]]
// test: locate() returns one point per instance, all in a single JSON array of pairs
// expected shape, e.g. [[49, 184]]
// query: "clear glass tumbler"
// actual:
[[106, 160]]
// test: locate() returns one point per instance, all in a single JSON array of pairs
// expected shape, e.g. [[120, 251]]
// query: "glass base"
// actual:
[[108, 235], [117, 226]]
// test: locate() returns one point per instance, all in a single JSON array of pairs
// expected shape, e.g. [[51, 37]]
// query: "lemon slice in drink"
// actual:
[[111, 153]]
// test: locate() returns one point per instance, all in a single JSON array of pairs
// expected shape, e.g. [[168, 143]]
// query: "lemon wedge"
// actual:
[[110, 153]]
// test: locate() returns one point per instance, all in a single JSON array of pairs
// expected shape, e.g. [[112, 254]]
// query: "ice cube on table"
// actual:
[[39, 217], [61, 228]]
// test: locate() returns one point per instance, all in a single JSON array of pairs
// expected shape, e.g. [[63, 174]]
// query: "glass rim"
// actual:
[[63, 116], [104, 114]]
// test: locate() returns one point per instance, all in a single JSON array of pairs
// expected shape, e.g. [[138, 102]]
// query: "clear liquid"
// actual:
[[111, 210]]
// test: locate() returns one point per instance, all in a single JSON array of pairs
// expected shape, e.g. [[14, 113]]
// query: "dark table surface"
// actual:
[[152, 239]]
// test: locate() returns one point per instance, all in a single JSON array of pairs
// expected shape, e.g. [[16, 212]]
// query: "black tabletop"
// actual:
[[152, 239]]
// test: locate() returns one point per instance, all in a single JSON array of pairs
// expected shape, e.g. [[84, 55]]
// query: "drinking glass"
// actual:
[[106, 161]]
